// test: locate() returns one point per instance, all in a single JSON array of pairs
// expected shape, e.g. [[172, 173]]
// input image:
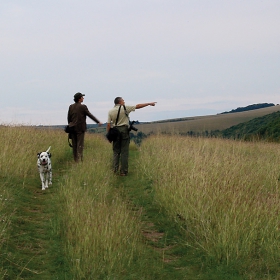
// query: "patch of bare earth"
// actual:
[[152, 235]]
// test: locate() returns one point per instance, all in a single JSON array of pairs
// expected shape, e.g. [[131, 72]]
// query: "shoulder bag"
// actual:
[[113, 133]]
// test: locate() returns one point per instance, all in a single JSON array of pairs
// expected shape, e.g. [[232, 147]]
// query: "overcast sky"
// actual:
[[194, 57]]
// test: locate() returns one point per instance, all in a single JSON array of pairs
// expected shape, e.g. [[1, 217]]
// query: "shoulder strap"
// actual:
[[118, 115], [126, 113]]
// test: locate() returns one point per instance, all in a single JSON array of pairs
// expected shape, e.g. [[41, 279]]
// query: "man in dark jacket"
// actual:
[[77, 114]]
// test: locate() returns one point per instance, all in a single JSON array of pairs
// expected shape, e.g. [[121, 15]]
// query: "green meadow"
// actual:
[[190, 208]]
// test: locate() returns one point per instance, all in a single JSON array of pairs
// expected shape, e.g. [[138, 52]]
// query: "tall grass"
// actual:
[[18, 165], [100, 234], [103, 235], [20, 146], [226, 192], [223, 193], [4, 221]]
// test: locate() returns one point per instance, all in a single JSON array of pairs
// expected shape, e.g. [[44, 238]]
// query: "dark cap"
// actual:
[[78, 95]]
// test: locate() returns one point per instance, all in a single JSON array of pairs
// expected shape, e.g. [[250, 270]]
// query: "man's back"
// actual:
[[123, 118], [77, 117]]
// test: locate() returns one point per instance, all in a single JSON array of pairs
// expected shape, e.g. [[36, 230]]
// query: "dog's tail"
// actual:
[[48, 149]]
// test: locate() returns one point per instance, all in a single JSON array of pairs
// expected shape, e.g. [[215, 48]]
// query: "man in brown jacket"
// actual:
[[77, 114]]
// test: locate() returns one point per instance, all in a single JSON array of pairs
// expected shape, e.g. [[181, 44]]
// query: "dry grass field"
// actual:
[[212, 204], [227, 195], [205, 123]]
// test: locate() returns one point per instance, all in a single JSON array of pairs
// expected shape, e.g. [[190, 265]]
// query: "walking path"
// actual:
[[33, 250]]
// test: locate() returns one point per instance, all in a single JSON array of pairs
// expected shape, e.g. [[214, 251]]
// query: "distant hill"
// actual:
[[262, 128], [250, 107], [202, 124], [262, 123]]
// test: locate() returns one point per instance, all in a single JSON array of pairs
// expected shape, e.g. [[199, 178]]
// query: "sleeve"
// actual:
[[130, 109], [109, 119], [90, 115]]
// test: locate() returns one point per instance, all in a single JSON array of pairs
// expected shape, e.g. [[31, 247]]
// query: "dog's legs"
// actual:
[[47, 181], [42, 180], [50, 177]]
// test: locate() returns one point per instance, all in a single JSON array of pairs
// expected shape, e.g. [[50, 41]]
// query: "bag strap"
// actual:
[[118, 115], [126, 113]]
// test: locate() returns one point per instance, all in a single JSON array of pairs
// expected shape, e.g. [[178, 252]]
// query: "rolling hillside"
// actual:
[[205, 123], [266, 127]]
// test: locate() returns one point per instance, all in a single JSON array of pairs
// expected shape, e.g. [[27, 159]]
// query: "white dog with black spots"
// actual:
[[45, 168]]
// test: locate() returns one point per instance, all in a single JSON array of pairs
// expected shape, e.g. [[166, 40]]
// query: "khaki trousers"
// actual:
[[121, 150]]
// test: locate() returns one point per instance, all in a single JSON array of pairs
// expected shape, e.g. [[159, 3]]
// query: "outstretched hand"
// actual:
[[142, 105]]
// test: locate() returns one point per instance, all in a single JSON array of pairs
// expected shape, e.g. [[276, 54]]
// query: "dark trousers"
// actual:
[[78, 146], [121, 150]]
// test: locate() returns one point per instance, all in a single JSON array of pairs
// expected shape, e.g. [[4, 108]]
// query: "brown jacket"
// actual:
[[77, 114]]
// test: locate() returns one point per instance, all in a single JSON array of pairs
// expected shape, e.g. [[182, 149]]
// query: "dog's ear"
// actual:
[[38, 155], [50, 155]]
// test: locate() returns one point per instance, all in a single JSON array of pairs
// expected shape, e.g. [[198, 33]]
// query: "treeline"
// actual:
[[173, 120], [250, 107], [138, 137], [262, 128]]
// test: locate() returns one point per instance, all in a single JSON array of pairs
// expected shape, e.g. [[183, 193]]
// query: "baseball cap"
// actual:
[[78, 95]]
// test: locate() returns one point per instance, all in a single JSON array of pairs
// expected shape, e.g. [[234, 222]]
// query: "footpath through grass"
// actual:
[[91, 224], [30, 239], [33, 249], [165, 238], [85, 225], [162, 236]]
